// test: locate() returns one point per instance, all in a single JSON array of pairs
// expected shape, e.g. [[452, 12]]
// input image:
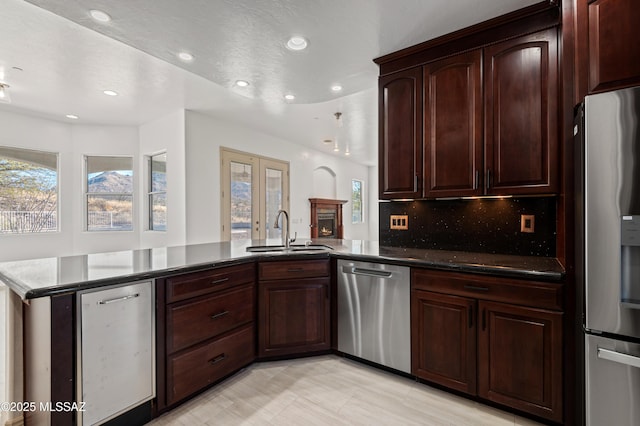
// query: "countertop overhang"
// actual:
[[51, 276]]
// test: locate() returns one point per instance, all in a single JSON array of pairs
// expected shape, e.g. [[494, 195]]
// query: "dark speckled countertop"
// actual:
[[56, 275]]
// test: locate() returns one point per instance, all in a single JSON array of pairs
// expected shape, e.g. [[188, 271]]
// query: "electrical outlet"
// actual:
[[527, 223], [399, 222]]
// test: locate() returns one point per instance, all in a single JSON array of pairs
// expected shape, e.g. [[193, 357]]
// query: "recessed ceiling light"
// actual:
[[336, 88], [110, 93], [289, 97], [99, 15], [242, 83], [72, 116], [297, 43], [185, 56]]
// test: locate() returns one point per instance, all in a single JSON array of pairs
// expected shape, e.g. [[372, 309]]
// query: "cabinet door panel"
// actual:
[[521, 131], [614, 44], [400, 121], [444, 340], [293, 316], [520, 358], [453, 126]]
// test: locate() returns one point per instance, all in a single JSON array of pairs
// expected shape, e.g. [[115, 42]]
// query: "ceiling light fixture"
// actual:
[[4, 93], [99, 15], [336, 88], [72, 116], [297, 43], [110, 93], [242, 83], [185, 56], [289, 97]]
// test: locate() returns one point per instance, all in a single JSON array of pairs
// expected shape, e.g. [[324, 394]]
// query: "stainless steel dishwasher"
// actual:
[[373, 313]]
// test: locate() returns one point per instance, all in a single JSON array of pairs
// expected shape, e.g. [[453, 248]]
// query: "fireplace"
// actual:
[[326, 218]]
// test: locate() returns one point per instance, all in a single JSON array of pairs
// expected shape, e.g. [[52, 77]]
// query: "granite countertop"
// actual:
[[56, 275]]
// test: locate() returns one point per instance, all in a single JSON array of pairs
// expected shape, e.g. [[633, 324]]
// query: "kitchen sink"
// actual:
[[292, 248]]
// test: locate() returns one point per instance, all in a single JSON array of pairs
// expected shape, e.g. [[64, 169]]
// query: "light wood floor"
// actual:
[[330, 390]]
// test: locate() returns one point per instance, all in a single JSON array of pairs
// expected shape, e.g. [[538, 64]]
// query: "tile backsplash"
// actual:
[[480, 225]]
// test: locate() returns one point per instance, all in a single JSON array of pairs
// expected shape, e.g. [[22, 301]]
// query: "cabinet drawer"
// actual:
[[293, 269], [205, 317], [198, 283], [193, 370], [519, 292]]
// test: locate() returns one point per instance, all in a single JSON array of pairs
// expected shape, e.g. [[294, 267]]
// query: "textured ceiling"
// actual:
[[68, 59]]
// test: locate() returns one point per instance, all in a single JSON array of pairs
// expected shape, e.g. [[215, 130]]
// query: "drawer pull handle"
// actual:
[[219, 315], [221, 280], [475, 288], [295, 270], [118, 299], [217, 359]]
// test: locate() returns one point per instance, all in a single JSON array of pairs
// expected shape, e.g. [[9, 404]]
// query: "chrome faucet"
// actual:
[[286, 241]]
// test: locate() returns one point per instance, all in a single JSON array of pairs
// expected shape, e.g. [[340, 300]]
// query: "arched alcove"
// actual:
[[324, 183]]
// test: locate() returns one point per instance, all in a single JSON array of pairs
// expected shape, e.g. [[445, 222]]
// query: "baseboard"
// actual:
[[16, 421]]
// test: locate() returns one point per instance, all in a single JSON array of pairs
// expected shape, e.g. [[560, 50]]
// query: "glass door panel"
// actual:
[[273, 197], [241, 200]]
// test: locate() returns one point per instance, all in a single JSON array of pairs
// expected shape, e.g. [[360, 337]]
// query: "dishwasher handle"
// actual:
[[354, 270]]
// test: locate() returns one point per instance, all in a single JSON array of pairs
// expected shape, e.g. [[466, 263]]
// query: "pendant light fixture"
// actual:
[[338, 116], [4, 93]]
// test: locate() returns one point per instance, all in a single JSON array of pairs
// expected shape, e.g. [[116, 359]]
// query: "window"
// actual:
[[254, 188], [28, 191], [158, 192], [357, 210], [109, 196]]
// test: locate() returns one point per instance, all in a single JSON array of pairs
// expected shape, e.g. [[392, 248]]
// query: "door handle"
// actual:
[[488, 182], [221, 280], [484, 319], [619, 357]]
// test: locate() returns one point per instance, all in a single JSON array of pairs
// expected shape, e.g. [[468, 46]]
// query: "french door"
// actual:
[[254, 188]]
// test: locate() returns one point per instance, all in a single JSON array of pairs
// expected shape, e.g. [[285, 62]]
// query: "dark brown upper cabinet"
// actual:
[[521, 115], [489, 123], [400, 121], [453, 126], [614, 44]]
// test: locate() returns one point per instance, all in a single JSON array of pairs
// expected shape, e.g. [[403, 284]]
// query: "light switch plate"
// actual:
[[399, 222]]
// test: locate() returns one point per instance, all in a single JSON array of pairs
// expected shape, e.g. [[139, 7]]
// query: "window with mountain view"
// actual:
[[28, 191], [158, 192], [357, 211], [109, 196]]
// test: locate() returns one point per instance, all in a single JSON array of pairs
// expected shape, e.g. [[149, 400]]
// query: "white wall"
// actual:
[[166, 134], [204, 137], [372, 203]]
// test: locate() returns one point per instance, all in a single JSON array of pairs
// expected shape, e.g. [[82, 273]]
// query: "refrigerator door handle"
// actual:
[[619, 357]]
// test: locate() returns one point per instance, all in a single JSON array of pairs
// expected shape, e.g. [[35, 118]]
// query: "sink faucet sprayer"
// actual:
[[285, 237]]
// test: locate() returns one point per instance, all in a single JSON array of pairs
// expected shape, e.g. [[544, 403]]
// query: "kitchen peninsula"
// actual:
[[218, 287]]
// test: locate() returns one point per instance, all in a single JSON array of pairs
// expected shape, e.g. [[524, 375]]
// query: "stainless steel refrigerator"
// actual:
[[611, 263]]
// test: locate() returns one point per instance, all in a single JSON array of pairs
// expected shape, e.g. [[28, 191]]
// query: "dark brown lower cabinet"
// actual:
[[520, 358], [293, 308], [502, 352], [449, 357]]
